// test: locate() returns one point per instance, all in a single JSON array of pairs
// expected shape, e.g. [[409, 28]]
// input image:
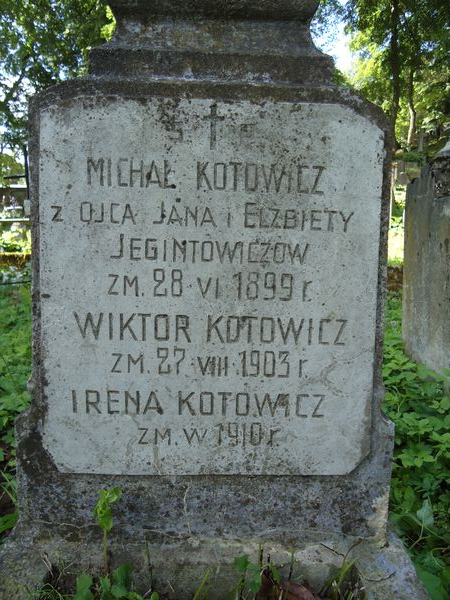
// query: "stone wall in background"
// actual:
[[426, 270]]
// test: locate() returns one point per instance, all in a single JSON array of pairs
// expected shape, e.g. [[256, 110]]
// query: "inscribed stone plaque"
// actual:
[[208, 283]]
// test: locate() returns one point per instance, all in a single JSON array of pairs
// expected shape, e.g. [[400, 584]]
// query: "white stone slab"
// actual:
[[208, 279]]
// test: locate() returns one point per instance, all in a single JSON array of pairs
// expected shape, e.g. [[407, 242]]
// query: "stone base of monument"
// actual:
[[177, 567]]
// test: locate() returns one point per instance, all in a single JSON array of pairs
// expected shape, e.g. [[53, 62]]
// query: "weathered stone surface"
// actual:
[[355, 503], [426, 271], [266, 43], [231, 288], [291, 10], [386, 574], [303, 455]]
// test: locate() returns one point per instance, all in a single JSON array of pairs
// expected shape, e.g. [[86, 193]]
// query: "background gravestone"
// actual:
[[426, 287], [209, 264]]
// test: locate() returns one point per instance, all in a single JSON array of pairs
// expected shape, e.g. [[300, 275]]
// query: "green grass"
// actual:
[[415, 401]]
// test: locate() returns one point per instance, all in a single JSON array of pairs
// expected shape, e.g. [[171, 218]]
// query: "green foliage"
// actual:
[[420, 497], [8, 521], [403, 50], [43, 42], [107, 30], [83, 588], [414, 156], [103, 514], [49, 592], [10, 164], [15, 359], [201, 592], [395, 262], [118, 587], [262, 580], [396, 222], [250, 577], [15, 240], [103, 510], [326, 20], [345, 584]]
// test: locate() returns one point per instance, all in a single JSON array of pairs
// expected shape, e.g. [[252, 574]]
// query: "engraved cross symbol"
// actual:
[[214, 118]]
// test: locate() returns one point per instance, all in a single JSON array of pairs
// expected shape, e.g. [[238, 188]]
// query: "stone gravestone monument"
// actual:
[[209, 246], [426, 270]]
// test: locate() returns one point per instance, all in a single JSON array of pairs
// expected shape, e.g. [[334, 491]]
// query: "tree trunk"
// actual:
[[395, 66], [412, 110]]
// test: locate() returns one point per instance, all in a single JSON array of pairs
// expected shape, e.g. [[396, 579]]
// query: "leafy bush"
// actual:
[[420, 497], [15, 362], [413, 156], [17, 239]]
